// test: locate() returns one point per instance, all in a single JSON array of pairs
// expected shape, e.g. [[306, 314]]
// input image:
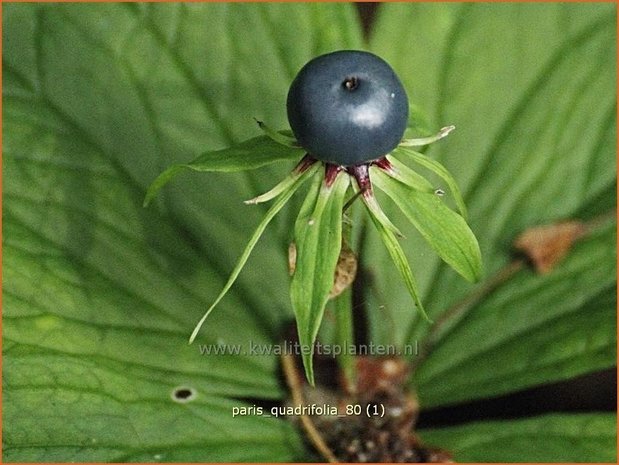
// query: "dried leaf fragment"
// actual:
[[546, 245], [345, 271]]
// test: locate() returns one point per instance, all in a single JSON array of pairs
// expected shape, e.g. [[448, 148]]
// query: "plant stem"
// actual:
[[296, 389], [344, 336], [344, 326]]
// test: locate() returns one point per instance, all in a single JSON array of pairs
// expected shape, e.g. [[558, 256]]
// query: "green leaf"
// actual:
[[251, 154], [566, 111], [536, 144], [587, 437], [100, 294], [569, 114], [531, 331], [282, 199], [318, 239], [444, 229], [102, 401], [93, 339]]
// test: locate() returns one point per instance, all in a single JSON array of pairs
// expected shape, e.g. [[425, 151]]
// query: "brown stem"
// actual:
[[296, 389]]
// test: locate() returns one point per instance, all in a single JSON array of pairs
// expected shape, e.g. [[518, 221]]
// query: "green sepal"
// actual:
[[284, 138], [374, 208], [404, 174], [318, 239], [386, 233], [282, 185], [275, 208], [438, 169], [444, 229], [250, 154], [421, 141]]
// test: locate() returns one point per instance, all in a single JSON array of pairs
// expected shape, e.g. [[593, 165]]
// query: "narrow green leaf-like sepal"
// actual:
[[440, 171], [445, 230], [397, 255], [247, 155], [404, 174], [372, 205], [275, 208], [305, 163], [275, 191], [281, 137], [421, 141], [318, 238]]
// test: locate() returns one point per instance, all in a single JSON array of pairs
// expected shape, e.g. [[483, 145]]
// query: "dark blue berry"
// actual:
[[347, 108]]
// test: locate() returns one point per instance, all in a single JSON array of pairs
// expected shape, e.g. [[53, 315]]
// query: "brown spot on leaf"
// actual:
[[546, 245], [292, 258], [345, 270]]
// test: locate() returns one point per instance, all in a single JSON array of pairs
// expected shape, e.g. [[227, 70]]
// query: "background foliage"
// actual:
[[100, 294]]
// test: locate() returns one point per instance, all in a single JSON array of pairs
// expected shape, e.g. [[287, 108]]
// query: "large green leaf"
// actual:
[[527, 332], [99, 294], [61, 407], [548, 438], [535, 143], [93, 337]]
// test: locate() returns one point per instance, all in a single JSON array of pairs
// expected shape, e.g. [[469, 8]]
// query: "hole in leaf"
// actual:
[[183, 394]]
